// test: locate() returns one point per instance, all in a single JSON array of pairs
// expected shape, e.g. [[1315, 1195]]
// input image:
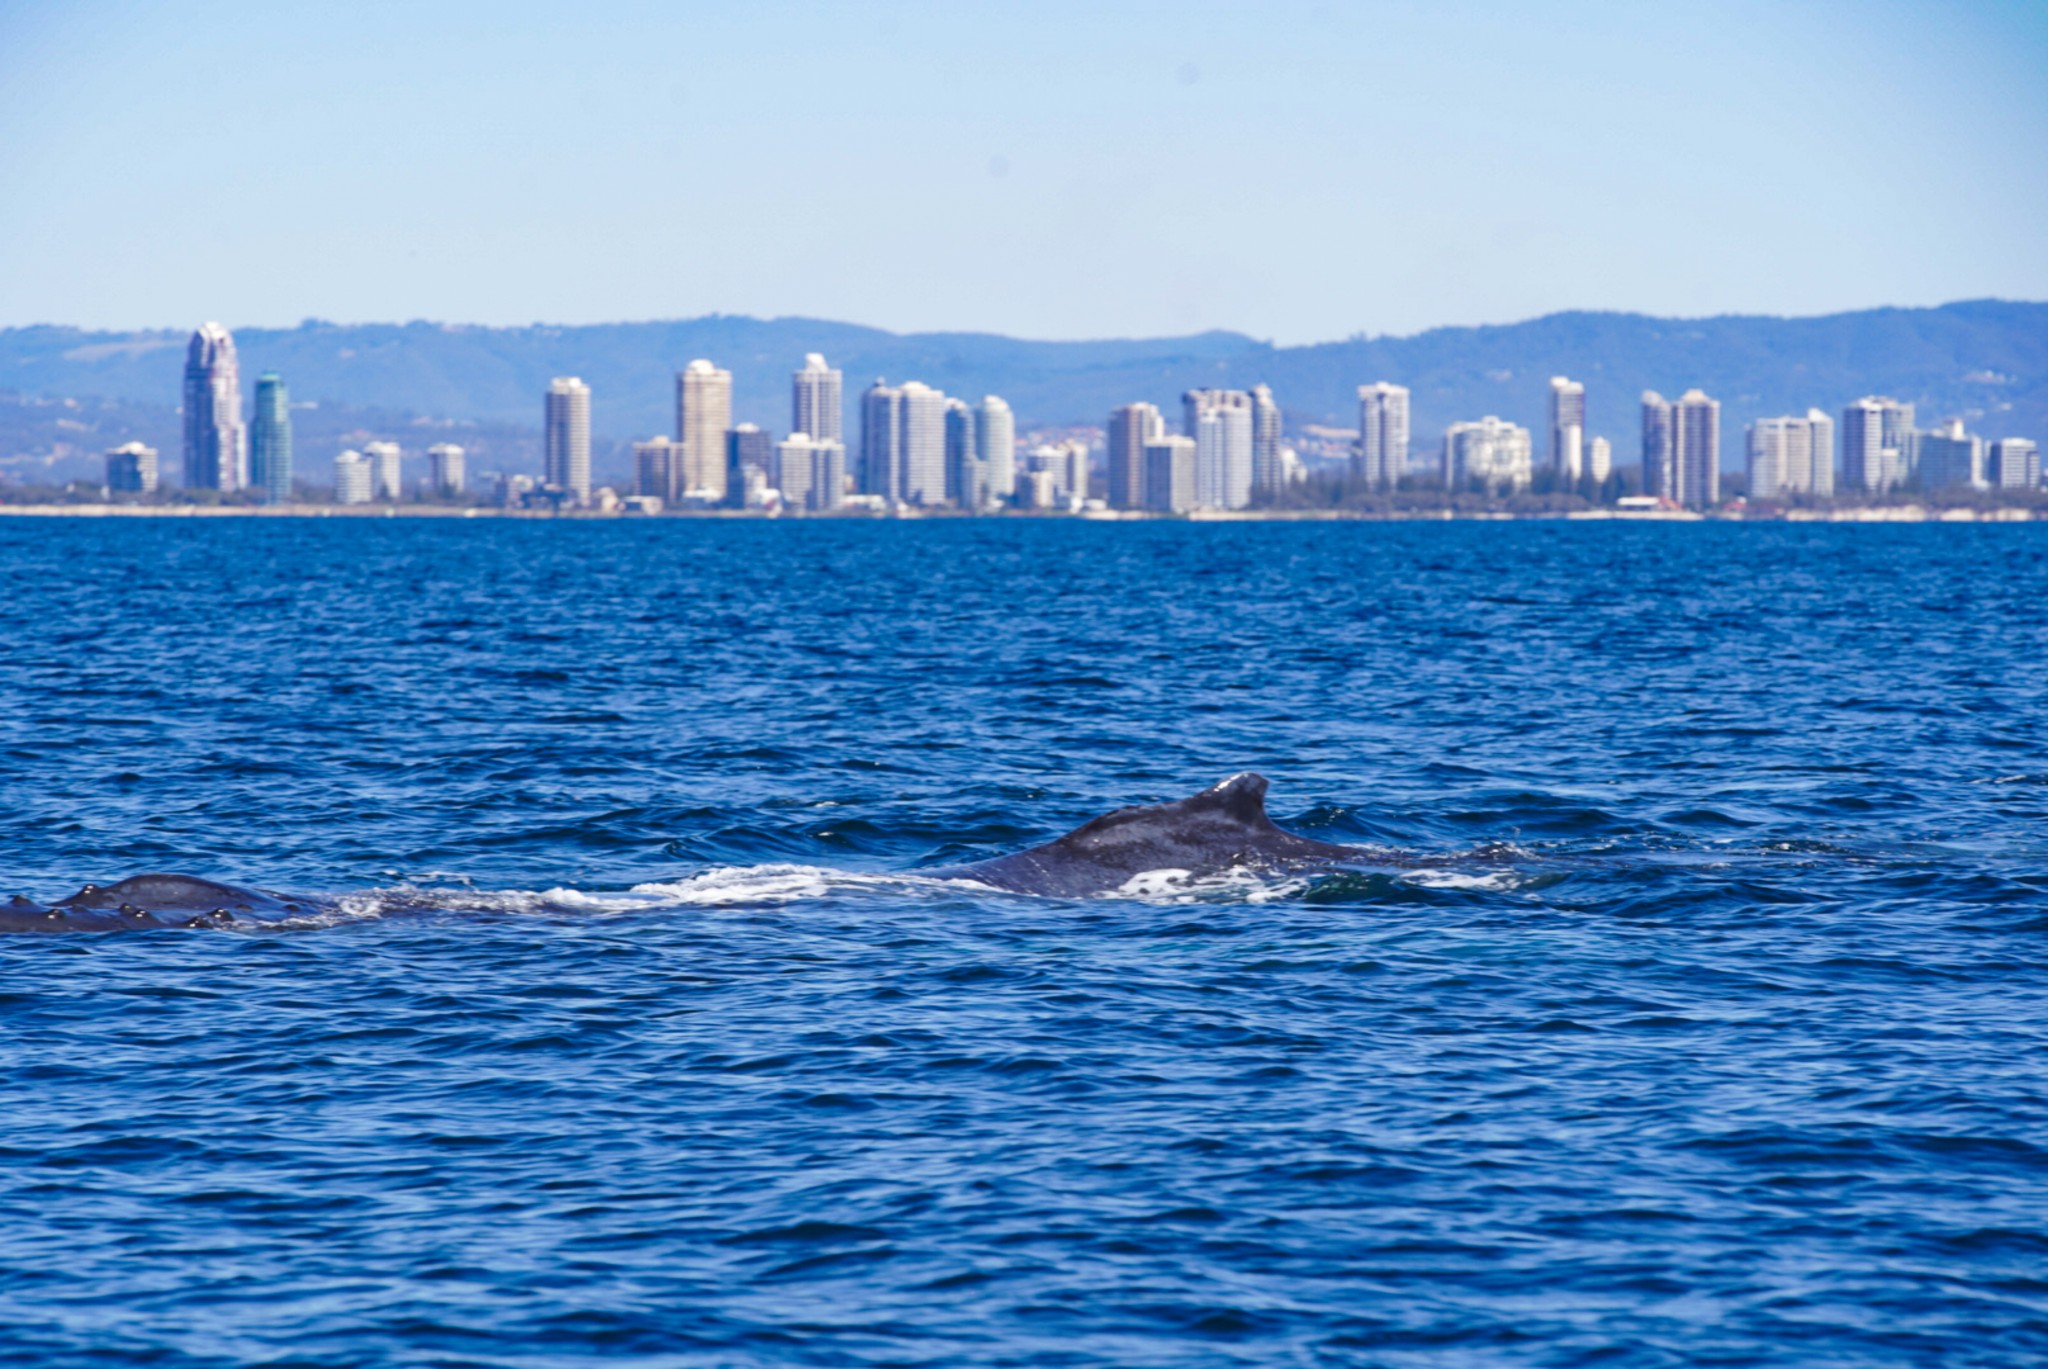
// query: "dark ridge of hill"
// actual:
[[1984, 360]]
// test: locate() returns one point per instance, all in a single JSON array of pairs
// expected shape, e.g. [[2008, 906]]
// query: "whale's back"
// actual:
[[1222, 828]]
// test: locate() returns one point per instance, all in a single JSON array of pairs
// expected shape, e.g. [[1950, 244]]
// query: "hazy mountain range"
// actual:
[[1985, 361]]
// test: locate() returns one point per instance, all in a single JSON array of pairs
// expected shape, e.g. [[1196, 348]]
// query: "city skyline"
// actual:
[[922, 448]]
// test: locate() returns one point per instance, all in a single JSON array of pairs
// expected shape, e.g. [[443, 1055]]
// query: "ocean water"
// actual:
[[1687, 1004]]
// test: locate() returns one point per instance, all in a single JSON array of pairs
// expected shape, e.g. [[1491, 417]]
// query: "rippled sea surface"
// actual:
[[1690, 1005]]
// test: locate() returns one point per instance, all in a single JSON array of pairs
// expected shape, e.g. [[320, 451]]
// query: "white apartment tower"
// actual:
[[1780, 458], [132, 469], [1130, 428], [810, 472], [1381, 456], [703, 414], [1567, 428], [1950, 458], [1696, 449], [1659, 479], [1492, 452], [655, 463], [1268, 477], [387, 480], [1169, 485], [814, 401], [352, 478], [881, 441], [1792, 456], [2015, 464], [1220, 421], [1877, 444], [995, 437], [445, 469], [924, 445], [567, 437], [963, 457], [216, 442]]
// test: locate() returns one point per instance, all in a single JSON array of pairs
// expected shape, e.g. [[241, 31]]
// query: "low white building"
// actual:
[[1950, 459], [1170, 478], [1792, 456], [352, 476], [1492, 452], [2015, 464], [385, 461], [445, 469]]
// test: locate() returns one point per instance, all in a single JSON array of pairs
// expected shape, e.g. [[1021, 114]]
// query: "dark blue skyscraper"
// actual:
[[270, 440]]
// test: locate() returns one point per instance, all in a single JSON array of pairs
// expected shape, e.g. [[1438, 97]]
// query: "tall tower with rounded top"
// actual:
[[216, 444]]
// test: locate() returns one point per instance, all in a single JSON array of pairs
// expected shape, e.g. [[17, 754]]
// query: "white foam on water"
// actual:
[[756, 886], [1493, 881], [742, 884]]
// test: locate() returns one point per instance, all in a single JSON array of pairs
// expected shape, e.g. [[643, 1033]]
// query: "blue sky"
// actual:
[[1297, 171]]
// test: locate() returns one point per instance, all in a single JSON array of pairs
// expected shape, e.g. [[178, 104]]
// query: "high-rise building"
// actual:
[[815, 400], [1696, 449], [963, 457], [703, 417], [1220, 421], [216, 445], [793, 470], [1381, 456], [567, 432], [1600, 459], [1902, 437], [1660, 479], [352, 479], [2015, 464], [1823, 429], [881, 441], [1130, 428], [1267, 476], [655, 464], [1492, 452], [924, 444], [1780, 458], [446, 472], [749, 463], [1065, 464], [810, 472], [132, 469], [1170, 474], [995, 446], [828, 476], [1951, 459], [1567, 428], [1877, 444], [270, 440], [386, 480]]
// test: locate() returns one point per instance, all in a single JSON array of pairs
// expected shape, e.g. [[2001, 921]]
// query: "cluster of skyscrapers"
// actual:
[[922, 448], [1227, 452], [221, 452], [1488, 454], [1882, 451]]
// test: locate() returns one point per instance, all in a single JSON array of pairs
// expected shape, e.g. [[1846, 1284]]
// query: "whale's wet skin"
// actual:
[[697, 943]]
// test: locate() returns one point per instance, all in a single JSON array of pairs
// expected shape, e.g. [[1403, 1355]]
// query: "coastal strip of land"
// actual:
[[1901, 513]]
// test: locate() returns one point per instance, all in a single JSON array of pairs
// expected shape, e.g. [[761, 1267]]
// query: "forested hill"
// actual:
[[1984, 360]]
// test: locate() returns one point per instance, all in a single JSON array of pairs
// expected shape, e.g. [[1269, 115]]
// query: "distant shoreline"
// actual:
[[1906, 513]]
